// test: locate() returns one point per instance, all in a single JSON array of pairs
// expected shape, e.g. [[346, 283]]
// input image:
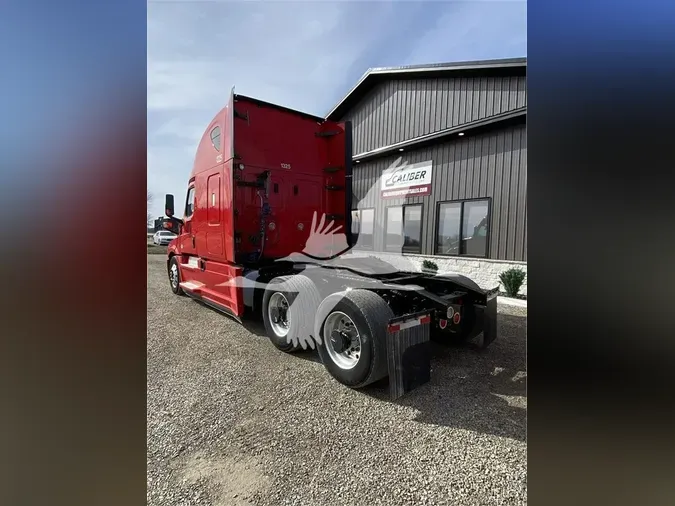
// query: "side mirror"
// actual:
[[171, 223], [168, 205]]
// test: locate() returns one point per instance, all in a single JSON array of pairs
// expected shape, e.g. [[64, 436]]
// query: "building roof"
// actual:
[[373, 76]]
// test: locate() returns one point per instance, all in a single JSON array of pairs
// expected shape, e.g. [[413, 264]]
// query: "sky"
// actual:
[[305, 55]]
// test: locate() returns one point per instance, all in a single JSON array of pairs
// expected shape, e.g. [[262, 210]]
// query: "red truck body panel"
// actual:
[[305, 163]]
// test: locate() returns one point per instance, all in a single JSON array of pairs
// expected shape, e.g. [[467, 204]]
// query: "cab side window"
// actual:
[[215, 138], [190, 202]]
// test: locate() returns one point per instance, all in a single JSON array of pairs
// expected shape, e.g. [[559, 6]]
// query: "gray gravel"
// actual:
[[233, 421]]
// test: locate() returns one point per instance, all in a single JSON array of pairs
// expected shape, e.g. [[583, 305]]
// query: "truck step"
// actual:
[[332, 168], [193, 286], [334, 187]]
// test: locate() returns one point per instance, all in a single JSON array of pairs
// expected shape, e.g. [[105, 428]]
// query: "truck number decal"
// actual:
[[285, 165]]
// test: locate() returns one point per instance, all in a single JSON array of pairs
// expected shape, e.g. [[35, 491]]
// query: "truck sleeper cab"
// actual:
[[261, 177]]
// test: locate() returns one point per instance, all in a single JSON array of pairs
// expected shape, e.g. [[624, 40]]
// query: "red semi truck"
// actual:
[[263, 177]]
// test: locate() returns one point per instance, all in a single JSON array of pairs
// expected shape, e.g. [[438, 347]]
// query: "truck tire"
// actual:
[[301, 298], [361, 361], [174, 277]]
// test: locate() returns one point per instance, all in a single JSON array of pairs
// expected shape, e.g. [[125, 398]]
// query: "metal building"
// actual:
[[458, 130]]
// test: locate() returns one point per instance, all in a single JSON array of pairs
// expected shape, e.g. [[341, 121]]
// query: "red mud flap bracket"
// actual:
[[408, 352]]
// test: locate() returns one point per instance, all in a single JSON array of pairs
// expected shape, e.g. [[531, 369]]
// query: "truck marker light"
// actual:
[[456, 318], [396, 327], [442, 323], [451, 312]]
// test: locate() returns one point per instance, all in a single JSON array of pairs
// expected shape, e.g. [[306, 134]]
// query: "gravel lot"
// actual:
[[233, 421]]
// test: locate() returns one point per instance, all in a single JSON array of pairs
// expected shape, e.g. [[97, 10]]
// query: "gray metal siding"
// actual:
[[490, 165], [399, 110]]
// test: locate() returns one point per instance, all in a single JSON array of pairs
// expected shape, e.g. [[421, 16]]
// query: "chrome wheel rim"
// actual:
[[348, 354], [278, 311], [173, 276]]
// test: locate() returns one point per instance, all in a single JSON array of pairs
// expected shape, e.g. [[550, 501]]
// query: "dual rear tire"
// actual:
[[289, 305], [353, 330], [347, 328]]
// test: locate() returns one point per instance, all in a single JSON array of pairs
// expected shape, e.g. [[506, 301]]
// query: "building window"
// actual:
[[215, 138], [356, 224], [393, 229], [363, 228], [449, 228], [463, 228], [190, 202], [403, 229], [367, 232]]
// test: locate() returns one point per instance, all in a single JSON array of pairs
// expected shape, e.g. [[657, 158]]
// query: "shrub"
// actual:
[[428, 265], [512, 279]]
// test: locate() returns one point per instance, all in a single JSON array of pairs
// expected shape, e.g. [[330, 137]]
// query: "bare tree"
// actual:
[[149, 214]]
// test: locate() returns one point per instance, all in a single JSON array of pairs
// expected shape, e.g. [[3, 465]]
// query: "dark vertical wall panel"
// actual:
[[497, 197], [490, 98], [503, 191], [446, 103], [522, 93], [513, 197], [484, 160], [491, 165], [521, 203], [499, 87], [434, 106], [482, 102], [399, 110], [525, 237]]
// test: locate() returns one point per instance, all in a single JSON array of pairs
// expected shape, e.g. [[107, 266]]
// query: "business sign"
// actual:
[[412, 180]]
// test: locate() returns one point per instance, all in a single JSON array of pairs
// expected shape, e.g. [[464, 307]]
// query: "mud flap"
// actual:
[[488, 314], [408, 352]]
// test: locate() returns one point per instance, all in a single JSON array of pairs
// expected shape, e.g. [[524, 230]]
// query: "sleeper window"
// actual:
[[215, 138]]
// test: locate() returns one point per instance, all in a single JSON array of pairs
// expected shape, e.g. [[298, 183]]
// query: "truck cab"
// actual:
[[269, 182], [261, 174]]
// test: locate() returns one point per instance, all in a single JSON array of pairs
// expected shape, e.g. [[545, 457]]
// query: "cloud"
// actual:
[[303, 55]]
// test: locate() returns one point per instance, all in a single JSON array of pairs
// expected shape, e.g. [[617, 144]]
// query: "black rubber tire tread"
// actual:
[[304, 299], [303, 307], [364, 307], [179, 290]]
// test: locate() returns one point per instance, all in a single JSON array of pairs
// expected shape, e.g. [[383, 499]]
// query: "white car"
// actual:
[[163, 237]]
